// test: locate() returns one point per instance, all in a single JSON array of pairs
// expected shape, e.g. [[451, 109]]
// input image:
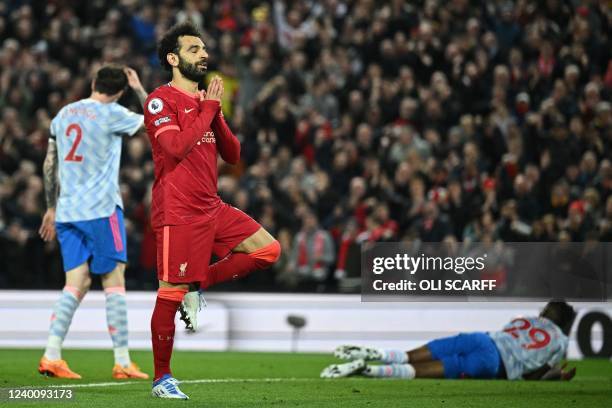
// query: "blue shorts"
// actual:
[[100, 242], [467, 355]]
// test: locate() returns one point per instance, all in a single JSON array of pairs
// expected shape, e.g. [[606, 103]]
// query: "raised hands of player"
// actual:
[[134, 83], [132, 77], [47, 228], [215, 89]]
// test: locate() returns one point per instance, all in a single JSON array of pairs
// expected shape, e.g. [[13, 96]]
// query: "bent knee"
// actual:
[[114, 278], [84, 284], [83, 287], [78, 288], [266, 256], [120, 268]]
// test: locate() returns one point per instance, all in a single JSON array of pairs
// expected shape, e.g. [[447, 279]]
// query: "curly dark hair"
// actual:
[[110, 79], [170, 41], [561, 314]]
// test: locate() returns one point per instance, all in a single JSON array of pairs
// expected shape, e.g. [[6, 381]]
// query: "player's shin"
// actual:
[[391, 356], [238, 264], [162, 327], [406, 371], [116, 318], [60, 321]]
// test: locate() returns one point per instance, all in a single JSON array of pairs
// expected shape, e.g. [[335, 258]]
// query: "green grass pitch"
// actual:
[[240, 379]]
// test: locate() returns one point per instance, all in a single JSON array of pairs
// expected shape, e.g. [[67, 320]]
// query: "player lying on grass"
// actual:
[[526, 348], [83, 163]]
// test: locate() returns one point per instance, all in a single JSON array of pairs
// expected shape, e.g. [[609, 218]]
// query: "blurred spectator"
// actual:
[[312, 255], [427, 119]]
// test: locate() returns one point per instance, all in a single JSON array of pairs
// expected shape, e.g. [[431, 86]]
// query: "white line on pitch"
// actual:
[[247, 380], [200, 381]]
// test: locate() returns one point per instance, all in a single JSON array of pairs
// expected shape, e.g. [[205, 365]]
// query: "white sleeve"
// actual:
[[123, 121]]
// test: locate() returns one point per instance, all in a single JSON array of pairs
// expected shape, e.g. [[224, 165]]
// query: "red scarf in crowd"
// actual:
[[546, 66], [317, 248]]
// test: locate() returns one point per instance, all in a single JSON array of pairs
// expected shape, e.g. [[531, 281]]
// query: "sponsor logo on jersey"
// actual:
[[159, 121], [209, 137], [155, 106], [188, 110]]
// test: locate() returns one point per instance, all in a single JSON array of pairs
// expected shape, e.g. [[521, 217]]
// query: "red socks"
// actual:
[[239, 264], [234, 266], [162, 328]]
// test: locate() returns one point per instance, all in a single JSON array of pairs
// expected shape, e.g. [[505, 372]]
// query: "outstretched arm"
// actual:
[[536, 374], [546, 372]]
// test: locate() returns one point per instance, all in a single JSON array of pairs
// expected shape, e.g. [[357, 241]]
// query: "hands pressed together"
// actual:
[[214, 91]]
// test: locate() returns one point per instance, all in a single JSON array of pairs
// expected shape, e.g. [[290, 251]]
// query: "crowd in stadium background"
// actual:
[[360, 121]]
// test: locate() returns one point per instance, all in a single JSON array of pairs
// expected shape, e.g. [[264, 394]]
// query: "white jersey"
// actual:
[[87, 133], [526, 344]]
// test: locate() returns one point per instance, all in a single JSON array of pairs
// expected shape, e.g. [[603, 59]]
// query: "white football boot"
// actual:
[[167, 387], [344, 370], [190, 306], [347, 352]]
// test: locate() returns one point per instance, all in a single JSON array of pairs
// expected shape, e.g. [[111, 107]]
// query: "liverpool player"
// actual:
[[187, 131]]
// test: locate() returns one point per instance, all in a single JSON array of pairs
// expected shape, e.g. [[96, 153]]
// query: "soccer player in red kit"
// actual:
[[187, 130]]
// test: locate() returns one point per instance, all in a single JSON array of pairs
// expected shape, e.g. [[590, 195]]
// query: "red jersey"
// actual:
[[186, 133]]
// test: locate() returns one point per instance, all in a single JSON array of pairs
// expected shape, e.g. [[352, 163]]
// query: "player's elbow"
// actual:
[[233, 159], [178, 152], [233, 155], [181, 152], [172, 145], [236, 156]]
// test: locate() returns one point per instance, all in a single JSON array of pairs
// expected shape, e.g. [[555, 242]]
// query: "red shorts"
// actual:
[[184, 251]]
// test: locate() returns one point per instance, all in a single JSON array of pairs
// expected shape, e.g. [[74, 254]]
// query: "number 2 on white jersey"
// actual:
[[72, 156]]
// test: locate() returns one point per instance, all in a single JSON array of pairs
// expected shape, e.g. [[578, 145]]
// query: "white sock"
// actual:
[[122, 356], [390, 371], [116, 317], [54, 348], [392, 356], [61, 318]]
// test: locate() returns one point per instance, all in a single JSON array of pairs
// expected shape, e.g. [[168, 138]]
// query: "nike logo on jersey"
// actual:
[[188, 110]]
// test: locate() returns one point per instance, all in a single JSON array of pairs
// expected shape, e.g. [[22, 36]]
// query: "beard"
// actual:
[[191, 71]]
